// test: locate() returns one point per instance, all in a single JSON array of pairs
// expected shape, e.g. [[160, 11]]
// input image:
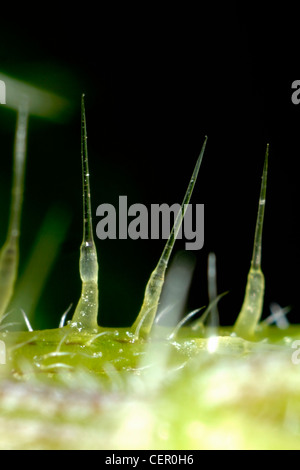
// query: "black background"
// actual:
[[157, 80]]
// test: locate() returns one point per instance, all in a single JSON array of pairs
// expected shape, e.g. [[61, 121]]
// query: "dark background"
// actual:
[[157, 80]]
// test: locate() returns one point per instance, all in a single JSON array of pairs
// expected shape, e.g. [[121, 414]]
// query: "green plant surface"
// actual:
[[117, 392]]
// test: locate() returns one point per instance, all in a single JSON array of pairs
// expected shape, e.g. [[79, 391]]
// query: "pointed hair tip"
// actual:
[[267, 152]]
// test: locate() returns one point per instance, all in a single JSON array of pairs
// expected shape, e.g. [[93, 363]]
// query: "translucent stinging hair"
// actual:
[[9, 255], [143, 324], [253, 302], [85, 315]]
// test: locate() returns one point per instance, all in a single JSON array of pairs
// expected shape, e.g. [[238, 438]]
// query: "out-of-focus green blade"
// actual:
[[41, 102]]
